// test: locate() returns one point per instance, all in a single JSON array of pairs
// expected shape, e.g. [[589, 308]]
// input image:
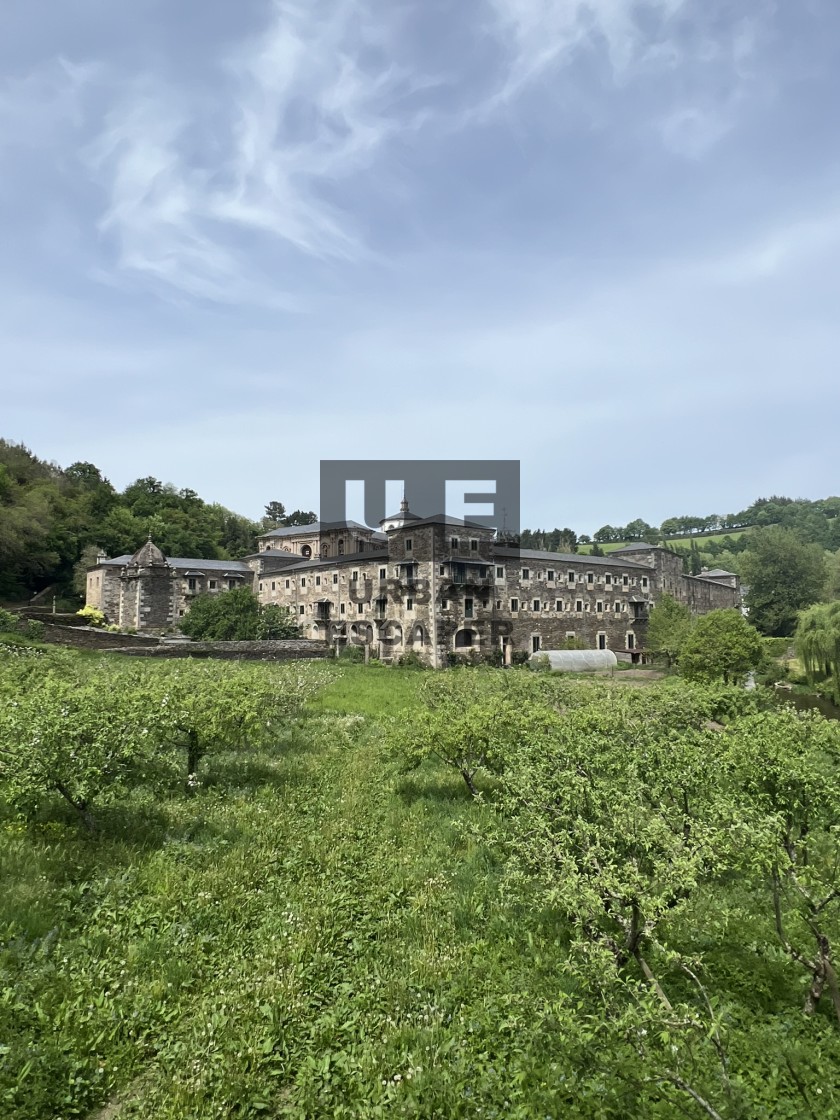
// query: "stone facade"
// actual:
[[438, 586], [149, 591]]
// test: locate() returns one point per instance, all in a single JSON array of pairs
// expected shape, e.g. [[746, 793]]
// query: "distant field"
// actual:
[[585, 549]]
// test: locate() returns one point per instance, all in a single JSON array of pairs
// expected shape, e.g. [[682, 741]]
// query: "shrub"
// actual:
[[411, 660], [777, 647], [92, 615], [8, 621], [34, 629]]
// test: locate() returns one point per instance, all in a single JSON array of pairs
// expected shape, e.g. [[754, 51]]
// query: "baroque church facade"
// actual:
[[438, 586]]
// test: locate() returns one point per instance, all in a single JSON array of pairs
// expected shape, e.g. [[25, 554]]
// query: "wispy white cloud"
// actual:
[[306, 115], [544, 34], [703, 54], [228, 191]]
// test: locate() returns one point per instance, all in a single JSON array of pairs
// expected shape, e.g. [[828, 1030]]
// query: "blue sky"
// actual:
[[600, 236]]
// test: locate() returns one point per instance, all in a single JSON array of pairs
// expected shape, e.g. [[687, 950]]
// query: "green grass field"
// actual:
[[683, 542], [318, 934], [311, 936]]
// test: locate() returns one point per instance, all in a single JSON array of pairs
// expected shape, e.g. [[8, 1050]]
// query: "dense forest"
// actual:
[[53, 520]]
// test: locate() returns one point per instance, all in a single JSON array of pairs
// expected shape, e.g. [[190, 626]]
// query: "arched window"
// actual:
[[466, 639], [306, 552]]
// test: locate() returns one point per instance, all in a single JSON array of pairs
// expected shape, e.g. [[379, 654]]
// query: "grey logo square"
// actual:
[[427, 484]]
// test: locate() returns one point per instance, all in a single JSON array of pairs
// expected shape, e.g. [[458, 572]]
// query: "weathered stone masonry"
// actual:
[[436, 585]]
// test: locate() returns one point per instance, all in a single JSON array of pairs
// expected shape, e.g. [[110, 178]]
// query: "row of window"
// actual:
[[381, 605], [212, 584], [539, 605], [577, 577], [402, 571]]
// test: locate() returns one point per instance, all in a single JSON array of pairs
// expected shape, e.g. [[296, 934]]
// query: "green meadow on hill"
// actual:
[[272, 894]]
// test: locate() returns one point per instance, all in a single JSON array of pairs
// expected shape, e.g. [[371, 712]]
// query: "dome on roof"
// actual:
[[149, 556], [398, 520]]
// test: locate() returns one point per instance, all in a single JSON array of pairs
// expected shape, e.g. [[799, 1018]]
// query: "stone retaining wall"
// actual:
[[90, 637], [293, 649]]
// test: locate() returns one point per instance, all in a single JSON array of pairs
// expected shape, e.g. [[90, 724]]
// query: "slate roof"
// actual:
[[318, 527], [640, 547], [183, 562], [318, 564], [148, 555], [445, 519], [568, 558]]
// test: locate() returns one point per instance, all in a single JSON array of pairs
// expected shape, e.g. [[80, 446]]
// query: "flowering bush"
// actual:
[[92, 615]]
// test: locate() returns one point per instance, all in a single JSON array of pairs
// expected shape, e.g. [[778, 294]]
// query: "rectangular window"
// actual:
[[590, 578], [631, 641], [444, 603], [570, 576], [498, 604], [335, 577], [558, 604], [300, 609], [261, 587], [383, 573], [288, 583], [341, 608], [453, 542], [536, 604], [514, 605], [625, 580], [317, 581], [360, 608], [473, 545], [602, 640], [599, 607], [617, 608], [468, 608], [354, 576], [408, 544], [549, 575], [191, 585], [409, 604], [303, 581], [526, 573], [213, 585], [644, 582], [273, 585], [608, 579], [485, 603], [500, 573], [441, 569], [231, 584], [579, 606], [535, 643]]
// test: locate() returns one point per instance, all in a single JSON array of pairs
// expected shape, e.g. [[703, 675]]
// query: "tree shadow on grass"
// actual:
[[440, 788], [246, 770]]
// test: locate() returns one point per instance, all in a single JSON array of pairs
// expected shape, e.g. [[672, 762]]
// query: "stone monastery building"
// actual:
[[436, 585]]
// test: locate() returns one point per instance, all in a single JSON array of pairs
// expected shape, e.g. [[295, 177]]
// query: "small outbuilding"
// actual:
[[577, 660]]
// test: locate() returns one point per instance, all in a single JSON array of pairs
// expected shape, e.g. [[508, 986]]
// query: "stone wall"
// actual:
[[291, 649], [77, 637]]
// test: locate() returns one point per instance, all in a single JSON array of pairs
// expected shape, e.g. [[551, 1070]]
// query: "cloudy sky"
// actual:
[[599, 236]]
